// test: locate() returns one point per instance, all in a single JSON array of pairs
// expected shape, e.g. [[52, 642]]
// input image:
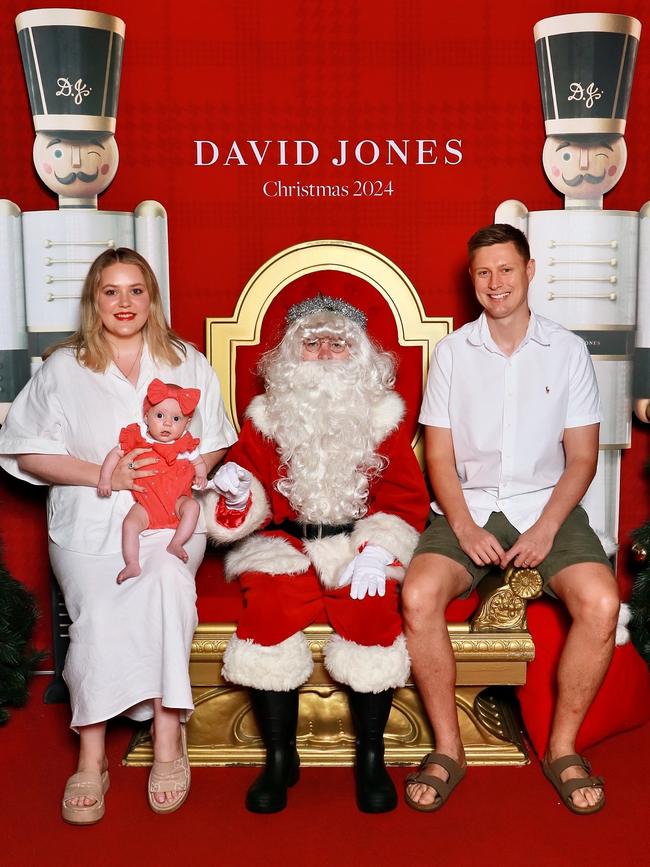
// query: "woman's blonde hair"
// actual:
[[89, 342]]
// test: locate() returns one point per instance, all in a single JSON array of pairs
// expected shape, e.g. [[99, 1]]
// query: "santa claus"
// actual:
[[325, 500]]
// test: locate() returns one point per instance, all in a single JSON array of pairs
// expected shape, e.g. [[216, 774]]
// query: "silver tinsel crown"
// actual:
[[324, 302]]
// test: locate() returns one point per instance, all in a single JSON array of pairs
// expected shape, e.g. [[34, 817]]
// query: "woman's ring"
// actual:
[[130, 465]]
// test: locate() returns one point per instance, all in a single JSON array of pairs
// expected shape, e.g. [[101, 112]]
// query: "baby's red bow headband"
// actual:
[[158, 391]]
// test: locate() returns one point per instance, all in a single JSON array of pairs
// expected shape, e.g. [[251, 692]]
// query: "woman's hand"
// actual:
[[129, 469]]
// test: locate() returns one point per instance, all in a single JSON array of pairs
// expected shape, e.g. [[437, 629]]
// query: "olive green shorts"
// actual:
[[575, 542]]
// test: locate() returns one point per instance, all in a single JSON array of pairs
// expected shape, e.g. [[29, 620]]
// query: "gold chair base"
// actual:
[[222, 731]]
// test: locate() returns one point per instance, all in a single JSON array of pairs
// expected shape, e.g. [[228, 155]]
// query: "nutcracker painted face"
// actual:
[[584, 167], [79, 167]]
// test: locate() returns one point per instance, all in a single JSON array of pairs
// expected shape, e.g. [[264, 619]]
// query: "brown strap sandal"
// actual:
[[565, 788], [443, 788]]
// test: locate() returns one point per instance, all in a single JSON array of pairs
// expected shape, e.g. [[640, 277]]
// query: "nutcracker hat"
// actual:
[[586, 65], [72, 60]]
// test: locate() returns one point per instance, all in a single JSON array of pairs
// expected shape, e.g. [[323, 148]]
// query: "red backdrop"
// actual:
[[320, 70]]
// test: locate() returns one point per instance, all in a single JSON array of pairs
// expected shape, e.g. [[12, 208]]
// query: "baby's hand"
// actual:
[[200, 481], [200, 474], [105, 483]]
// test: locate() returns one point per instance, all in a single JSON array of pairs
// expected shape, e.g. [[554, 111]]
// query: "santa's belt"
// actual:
[[311, 531]]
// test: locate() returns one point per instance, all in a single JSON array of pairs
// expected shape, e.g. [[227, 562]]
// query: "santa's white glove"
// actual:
[[368, 572], [233, 483]]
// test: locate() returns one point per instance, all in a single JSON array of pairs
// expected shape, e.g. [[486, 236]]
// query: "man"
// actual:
[[325, 494], [512, 416]]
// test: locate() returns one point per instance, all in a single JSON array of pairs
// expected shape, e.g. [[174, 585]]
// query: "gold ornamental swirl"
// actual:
[[525, 583]]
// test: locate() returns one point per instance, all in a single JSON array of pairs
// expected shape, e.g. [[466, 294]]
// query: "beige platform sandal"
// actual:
[[171, 776], [85, 784]]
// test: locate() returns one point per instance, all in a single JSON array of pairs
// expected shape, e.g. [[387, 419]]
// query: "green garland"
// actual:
[[18, 659], [640, 599]]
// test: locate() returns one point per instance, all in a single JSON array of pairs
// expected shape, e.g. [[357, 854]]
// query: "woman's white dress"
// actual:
[[129, 643]]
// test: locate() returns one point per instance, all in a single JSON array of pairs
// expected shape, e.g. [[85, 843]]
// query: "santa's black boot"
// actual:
[[277, 718], [375, 790]]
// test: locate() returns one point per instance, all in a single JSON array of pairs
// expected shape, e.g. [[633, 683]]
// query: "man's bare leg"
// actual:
[[590, 594], [432, 581], [187, 510], [135, 522]]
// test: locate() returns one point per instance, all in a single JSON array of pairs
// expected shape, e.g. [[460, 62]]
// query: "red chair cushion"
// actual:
[[622, 703]]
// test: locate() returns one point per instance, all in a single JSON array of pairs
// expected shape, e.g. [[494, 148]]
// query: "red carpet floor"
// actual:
[[502, 816]]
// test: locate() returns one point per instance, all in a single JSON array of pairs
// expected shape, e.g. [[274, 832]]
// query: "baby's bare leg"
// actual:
[[187, 510], [135, 522]]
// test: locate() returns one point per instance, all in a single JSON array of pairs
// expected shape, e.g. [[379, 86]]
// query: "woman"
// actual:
[[130, 643]]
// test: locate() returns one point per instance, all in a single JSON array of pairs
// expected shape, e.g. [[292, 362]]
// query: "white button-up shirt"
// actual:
[[507, 414], [67, 409]]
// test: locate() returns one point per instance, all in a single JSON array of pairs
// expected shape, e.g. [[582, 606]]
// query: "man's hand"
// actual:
[[530, 548], [480, 546], [367, 572], [233, 483]]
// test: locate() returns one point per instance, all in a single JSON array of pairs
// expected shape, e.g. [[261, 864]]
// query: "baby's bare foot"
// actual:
[[178, 551], [131, 570]]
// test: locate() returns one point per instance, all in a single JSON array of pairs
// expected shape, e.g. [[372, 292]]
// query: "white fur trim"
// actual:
[[258, 513], [279, 667], [622, 632], [387, 414], [257, 413], [260, 553], [367, 669], [330, 556], [609, 544], [392, 533]]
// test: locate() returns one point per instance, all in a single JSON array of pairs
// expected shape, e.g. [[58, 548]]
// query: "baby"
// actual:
[[167, 500]]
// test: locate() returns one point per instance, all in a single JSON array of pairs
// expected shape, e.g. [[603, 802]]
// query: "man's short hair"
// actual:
[[499, 233]]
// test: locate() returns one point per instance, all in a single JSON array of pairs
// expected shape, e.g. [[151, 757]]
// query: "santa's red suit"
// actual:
[[288, 581]]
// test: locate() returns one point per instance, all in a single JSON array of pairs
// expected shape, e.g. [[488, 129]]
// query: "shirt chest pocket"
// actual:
[[543, 395]]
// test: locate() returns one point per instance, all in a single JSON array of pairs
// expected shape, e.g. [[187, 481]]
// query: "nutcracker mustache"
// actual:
[[587, 178], [74, 176]]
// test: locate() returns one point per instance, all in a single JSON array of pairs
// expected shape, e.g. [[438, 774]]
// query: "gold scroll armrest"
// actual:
[[504, 609]]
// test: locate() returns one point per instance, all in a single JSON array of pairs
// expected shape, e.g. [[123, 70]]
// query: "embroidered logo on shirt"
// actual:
[[548, 390]]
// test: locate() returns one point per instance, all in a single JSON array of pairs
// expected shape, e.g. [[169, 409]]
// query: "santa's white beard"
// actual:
[[320, 415]]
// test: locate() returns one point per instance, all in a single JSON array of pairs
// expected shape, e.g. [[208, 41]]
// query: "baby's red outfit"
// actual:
[[173, 478]]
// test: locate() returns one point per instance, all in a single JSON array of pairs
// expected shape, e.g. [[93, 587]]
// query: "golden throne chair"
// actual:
[[492, 648]]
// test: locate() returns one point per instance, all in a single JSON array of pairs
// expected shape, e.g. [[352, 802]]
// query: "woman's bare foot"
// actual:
[[167, 746], [92, 758], [94, 769]]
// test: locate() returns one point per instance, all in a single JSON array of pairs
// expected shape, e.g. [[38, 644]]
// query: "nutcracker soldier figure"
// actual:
[[72, 61], [590, 261]]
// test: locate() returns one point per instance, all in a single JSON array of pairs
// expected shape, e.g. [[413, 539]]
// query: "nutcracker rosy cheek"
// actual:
[[612, 170], [105, 169]]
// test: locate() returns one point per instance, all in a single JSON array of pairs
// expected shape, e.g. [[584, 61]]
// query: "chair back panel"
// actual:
[[342, 269]]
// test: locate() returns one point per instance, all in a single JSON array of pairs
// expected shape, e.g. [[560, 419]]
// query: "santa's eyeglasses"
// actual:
[[336, 344]]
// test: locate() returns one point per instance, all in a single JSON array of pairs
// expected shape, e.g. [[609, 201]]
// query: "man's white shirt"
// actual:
[[507, 414]]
